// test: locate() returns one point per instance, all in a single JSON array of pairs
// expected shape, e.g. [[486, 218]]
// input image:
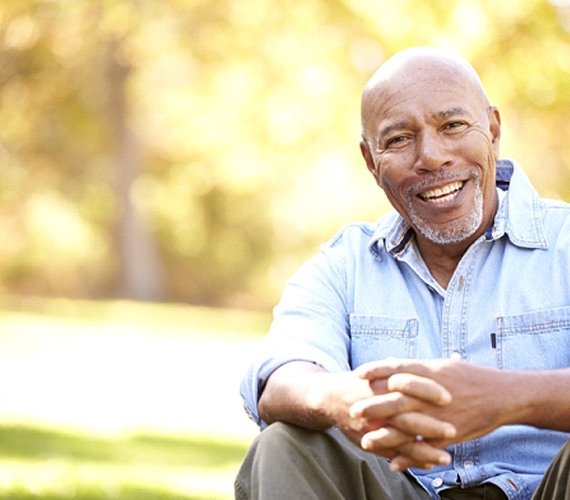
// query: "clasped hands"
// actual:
[[416, 408]]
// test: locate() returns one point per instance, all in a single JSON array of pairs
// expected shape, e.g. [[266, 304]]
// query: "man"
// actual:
[[426, 355]]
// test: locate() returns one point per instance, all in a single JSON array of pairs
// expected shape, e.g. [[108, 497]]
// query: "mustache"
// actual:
[[442, 177]]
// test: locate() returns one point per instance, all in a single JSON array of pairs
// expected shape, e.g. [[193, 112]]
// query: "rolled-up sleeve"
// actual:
[[310, 324]]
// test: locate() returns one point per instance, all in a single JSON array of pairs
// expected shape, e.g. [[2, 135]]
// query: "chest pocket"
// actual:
[[534, 341], [380, 337]]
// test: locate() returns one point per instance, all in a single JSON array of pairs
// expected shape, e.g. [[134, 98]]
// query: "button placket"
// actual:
[[436, 482]]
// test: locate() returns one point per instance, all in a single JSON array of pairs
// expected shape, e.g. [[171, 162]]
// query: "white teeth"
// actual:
[[442, 194]]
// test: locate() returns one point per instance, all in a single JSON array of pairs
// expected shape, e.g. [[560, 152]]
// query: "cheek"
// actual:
[[391, 172], [478, 150], [489, 181], [391, 184], [478, 145]]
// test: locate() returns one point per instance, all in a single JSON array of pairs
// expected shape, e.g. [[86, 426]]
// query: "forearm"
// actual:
[[289, 396], [543, 398]]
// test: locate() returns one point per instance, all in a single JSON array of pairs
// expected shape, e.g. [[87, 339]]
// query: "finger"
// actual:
[[414, 423], [385, 438], [377, 369], [385, 368], [419, 454], [379, 386], [384, 406], [419, 387], [400, 463]]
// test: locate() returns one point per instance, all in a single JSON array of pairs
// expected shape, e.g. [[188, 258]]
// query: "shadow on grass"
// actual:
[[185, 456], [37, 444]]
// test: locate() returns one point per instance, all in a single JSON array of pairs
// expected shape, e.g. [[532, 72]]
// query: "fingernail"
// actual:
[[449, 431], [354, 411], [394, 467], [445, 398], [444, 459]]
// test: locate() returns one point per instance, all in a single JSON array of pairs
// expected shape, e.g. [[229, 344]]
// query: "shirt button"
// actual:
[[468, 464], [456, 355], [437, 482]]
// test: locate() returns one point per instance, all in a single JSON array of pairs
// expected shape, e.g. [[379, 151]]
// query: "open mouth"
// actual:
[[442, 194]]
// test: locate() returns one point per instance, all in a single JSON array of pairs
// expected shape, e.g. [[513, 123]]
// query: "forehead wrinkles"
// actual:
[[381, 105], [394, 85], [392, 115]]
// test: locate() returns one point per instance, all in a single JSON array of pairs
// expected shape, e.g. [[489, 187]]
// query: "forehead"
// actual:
[[398, 121], [421, 95], [421, 85]]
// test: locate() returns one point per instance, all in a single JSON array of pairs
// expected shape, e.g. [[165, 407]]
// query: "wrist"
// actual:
[[524, 392], [320, 399]]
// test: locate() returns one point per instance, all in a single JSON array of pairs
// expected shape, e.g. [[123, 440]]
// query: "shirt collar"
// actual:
[[518, 216]]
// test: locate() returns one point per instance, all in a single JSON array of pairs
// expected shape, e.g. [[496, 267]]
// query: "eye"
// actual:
[[455, 126], [397, 141]]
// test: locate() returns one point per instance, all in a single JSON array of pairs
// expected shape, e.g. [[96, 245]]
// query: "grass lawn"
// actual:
[[48, 464], [119, 400]]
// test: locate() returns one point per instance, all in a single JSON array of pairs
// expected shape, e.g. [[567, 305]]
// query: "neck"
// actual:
[[442, 260]]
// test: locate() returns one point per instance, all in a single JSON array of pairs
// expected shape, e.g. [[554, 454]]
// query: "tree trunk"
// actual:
[[139, 276]]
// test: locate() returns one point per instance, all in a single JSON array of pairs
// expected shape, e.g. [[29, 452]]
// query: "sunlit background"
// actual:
[[166, 165]]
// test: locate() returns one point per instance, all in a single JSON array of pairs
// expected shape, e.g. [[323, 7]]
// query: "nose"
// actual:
[[432, 153]]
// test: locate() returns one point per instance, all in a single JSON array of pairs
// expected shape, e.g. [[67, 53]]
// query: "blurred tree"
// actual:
[[199, 150], [139, 270]]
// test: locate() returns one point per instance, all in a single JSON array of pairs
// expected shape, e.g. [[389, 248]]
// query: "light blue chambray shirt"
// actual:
[[368, 295]]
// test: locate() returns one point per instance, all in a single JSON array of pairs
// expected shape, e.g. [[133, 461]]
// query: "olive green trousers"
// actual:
[[289, 463]]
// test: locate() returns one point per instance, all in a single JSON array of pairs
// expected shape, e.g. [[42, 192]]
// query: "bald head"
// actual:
[[426, 66]]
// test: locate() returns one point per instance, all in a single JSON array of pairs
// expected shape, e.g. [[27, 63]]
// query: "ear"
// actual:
[[367, 155], [495, 129]]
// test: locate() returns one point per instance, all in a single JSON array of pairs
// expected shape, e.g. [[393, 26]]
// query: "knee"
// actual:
[[280, 458], [275, 452], [282, 436]]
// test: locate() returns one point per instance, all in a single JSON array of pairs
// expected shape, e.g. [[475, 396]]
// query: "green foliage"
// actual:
[[240, 126]]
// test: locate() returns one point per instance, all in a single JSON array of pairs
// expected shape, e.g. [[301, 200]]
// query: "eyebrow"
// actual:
[[394, 126], [456, 111]]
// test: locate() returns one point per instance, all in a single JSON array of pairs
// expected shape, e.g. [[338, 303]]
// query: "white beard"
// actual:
[[455, 231]]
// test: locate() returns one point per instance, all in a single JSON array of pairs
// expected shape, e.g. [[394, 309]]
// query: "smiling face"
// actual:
[[431, 141]]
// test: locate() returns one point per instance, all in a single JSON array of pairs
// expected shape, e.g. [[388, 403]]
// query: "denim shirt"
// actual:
[[368, 295]]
